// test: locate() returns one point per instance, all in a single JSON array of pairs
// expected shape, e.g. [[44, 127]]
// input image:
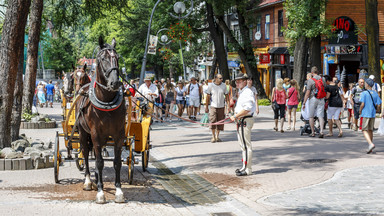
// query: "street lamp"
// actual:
[[179, 8]]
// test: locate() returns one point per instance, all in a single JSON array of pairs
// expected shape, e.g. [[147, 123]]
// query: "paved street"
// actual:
[[188, 175]]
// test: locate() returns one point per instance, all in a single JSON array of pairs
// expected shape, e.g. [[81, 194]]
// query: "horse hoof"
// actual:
[[87, 187], [100, 198], [119, 198]]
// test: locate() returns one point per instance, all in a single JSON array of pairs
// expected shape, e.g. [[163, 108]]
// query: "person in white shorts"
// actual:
[[194, 91], [335, 105]]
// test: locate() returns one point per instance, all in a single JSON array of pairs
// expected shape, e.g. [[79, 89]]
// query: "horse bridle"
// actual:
[[112, 53]]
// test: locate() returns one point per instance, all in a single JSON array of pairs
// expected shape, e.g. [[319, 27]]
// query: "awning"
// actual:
[[278, 50]]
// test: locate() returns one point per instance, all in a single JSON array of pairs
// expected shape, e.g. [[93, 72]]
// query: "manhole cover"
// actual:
[[319, 161]]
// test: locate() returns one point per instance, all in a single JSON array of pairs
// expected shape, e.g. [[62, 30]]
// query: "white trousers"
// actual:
[[244, 131]]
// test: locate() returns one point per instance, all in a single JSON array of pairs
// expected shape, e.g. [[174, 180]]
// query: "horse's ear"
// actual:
[[85, 67], [113, 44], [101, 42]]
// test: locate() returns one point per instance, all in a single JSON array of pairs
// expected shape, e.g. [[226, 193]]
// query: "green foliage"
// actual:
[[305, 18], [60, 55], [27, 115], [264, 102]]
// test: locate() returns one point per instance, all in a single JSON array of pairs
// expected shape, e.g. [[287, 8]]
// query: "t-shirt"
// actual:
[[346, 95], [49, 88], [246, 101], [217, 93], [194, 91], [311, 85], [334, 99], [180, 93], [254, 90], [369, 110], [356, 92], [376, 87]]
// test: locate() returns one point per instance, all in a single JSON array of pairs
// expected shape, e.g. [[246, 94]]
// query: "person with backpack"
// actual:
[[335, 105], [194, 91], [315, 94], [370, 103], [355, 102], [376, 87]]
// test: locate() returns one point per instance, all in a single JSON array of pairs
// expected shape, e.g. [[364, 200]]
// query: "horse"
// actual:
[[68, 84], [102, 115], [81, 78]]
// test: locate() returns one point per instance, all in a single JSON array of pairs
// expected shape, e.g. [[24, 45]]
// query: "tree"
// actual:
[[304, 28], [60, 54], [32, 52], [12, 36], [372, 28]]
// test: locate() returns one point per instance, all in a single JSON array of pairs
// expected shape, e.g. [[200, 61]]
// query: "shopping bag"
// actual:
[[305, 112], [205, 119], [380, 131]]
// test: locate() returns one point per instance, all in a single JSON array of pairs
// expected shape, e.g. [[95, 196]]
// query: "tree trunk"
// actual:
[[32, 54], [133, 69], [18, 97], [11, 37], [300, 64], [212, 72], [171, 71], [315, 52], [372, 28], [218, 40]]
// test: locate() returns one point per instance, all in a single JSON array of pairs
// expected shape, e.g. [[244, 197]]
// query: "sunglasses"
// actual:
[[221, 78]]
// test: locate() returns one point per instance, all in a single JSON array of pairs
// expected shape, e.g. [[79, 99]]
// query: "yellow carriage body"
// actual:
[[140, 128]]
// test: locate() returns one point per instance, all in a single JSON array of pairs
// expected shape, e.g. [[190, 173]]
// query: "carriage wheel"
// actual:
[[145, 155], [56, 158], [79, 159], [131, 162]]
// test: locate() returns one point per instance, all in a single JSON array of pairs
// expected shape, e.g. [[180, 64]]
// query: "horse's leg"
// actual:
[[84, 140], [97, 145], [119, 196]]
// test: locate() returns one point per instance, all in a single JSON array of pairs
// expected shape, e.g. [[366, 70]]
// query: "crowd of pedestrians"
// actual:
[[46, 93]]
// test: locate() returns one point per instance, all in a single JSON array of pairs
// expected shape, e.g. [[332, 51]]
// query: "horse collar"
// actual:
[[105, 106]]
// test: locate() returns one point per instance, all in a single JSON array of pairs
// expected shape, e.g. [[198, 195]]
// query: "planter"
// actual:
[[37, 125]]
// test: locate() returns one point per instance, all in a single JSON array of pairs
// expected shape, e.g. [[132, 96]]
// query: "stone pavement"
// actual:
[[188, 175]]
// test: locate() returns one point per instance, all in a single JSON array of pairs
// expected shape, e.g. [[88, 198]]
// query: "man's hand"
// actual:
[[232, 118], [257, 110], [206, 109]]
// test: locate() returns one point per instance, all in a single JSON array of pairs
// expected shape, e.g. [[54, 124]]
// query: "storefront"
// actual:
[[281, 64], [263, 66], [343, 53]]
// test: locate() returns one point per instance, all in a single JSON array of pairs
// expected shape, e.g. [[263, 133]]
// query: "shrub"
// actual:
[[264, 102]]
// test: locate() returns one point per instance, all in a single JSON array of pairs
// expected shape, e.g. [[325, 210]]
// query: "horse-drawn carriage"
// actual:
[[90, 125]]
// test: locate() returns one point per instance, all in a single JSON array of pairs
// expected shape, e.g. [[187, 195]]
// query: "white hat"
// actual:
[[147, 78], [372, 77]]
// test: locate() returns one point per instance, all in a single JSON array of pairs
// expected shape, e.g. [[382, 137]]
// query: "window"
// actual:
[[258, 25], [267, 23], [280, 22], [251, 32]]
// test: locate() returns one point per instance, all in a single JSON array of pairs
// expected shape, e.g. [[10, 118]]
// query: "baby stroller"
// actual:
[[306, 129]]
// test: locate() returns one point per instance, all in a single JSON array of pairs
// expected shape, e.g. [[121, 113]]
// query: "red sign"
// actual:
[[282, 59], [265, 58]]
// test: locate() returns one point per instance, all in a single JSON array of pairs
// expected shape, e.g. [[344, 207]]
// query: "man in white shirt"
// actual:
[[376, 87], [244, 110], [218, 92], [148, 89], [194, 91]]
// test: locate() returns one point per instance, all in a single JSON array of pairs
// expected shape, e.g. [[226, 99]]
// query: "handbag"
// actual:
[[275, 105]]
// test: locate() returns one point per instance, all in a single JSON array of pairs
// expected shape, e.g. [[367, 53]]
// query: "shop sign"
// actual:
[[258, 35], [282, 59], [265, 58], [233, 64], [344, 28], [332, 59], [344, 49]]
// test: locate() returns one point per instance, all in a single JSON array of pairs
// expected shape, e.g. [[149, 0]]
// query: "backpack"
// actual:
[[319, 91]]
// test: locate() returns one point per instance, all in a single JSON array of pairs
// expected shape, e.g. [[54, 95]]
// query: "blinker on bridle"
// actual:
[[113, 56]]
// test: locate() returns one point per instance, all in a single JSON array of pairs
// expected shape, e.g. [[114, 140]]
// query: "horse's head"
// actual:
[[108, 65], [81, 77], [68, 83]]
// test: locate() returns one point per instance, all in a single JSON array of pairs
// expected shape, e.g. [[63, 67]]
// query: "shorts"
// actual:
[[292, 106], [50, 98], [349, 112], [215, 115], [182, 102], [159, 104], [279, 112], [368, 124], [316, 107], [356, 111], [168, 101], [334, 112], [195, 102]]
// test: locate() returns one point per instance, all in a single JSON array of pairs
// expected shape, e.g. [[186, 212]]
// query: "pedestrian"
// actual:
[[194, 91], [170, 100], [180, 98], [286, 84], [335, 105], [370, 101], [348, 105], [254, 91], [148, 89], [376, 87], [279, 95], [159, 104], [233, 95], [50, 89], [216, 96], [355, 102], [293, 102], [244, 110], [57, 92], [173, 82], [41, 94], [205, 88], [315, 94]]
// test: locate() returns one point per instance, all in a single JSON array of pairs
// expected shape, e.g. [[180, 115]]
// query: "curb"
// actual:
[[37, 125], [25, 163]]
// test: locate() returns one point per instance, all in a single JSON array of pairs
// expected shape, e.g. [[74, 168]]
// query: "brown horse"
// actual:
[[81, 78], [102, 115]]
